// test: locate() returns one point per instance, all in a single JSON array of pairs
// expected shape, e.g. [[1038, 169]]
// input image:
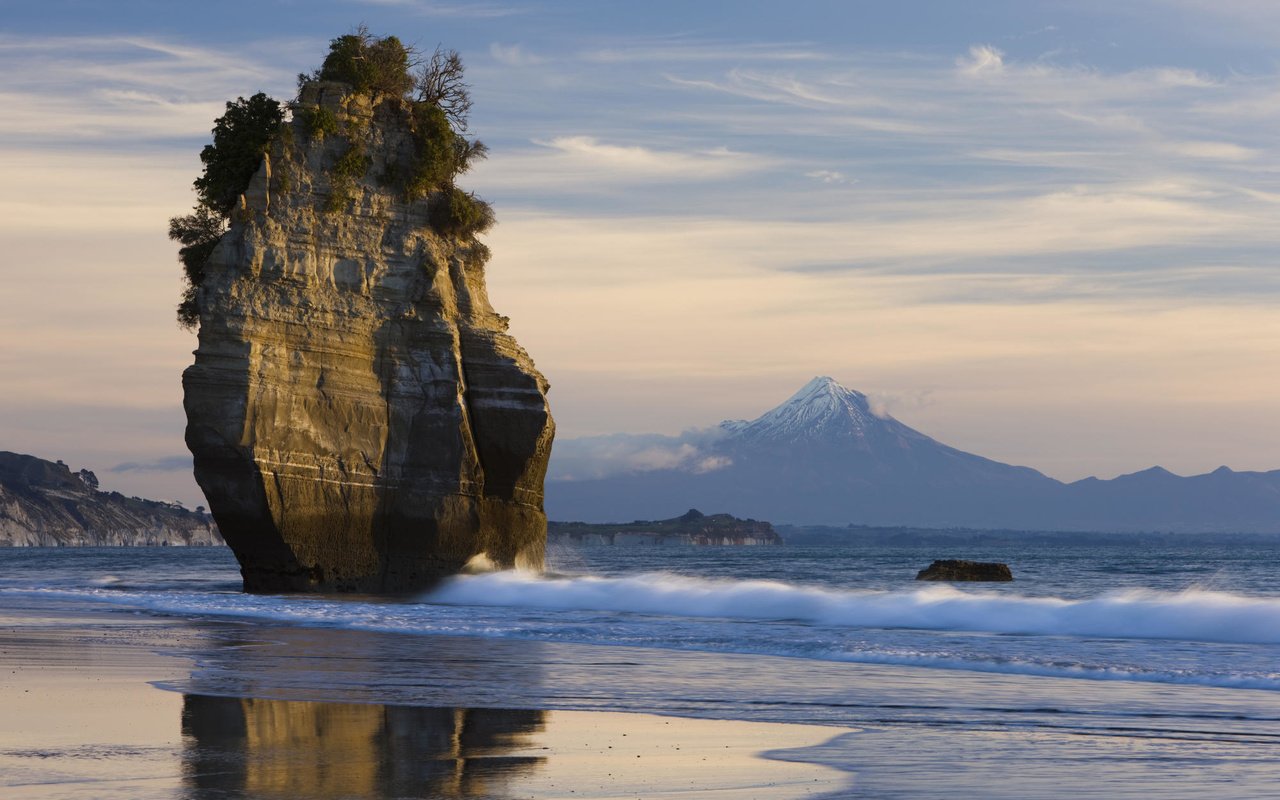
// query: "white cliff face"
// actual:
[[43, 504], [359, 416]]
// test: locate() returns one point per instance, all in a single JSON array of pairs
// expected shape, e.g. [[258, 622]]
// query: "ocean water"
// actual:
[[1207, 616], [1148, 668]]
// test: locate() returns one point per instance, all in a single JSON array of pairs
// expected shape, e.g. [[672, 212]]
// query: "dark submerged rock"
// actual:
[[959, 570]]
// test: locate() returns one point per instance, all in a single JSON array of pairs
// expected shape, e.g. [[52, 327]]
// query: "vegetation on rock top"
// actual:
[[240, 138], [437, 101], [370, 65]]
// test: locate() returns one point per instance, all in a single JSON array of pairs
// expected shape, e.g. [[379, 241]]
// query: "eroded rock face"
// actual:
[[359, 416]]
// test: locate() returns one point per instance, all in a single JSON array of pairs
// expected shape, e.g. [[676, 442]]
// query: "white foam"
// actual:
[[1193, 615], [663, 610]]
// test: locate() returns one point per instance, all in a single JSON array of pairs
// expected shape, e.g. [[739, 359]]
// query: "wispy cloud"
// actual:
[[982, 59], [514, 55], [855, 106], [678, 49], [865, 231], [124, 90], [626, 454], [587, 164], [1214, 151], [166, 464], [428, 8], [1021, 225], [829, 176], [643, 161]]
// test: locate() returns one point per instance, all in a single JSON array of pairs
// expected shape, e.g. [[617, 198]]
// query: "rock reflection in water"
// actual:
[[259, 748]]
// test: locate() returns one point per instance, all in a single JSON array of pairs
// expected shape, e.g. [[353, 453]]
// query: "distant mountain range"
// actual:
[[823, 457], [45, 504]]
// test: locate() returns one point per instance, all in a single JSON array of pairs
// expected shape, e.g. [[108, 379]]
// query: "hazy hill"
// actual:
[[45, 504], [691, 528], [824, 457]]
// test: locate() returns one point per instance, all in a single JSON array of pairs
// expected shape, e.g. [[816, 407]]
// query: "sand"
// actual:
[[85, 716]]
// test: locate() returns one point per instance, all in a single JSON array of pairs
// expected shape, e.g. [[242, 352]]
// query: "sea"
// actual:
[[1129, 669]]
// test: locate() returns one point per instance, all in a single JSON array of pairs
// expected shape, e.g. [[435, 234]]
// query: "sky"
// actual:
[[1044, 232]]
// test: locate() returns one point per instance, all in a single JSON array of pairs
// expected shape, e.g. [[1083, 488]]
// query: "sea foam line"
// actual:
[[1192, 615], [733, 601]]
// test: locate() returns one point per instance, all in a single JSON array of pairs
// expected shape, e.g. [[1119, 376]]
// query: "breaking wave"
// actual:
[[1192, 615], [1191, 637]]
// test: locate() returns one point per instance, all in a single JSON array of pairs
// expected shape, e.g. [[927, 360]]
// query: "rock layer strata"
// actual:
[[359, 416]]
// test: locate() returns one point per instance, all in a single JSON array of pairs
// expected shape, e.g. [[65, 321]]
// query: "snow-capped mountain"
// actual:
[[822, 410], [827, 431], [824, 456]]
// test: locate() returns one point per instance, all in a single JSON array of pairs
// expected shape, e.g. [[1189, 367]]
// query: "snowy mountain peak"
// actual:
[[821, 410], [823, 386]]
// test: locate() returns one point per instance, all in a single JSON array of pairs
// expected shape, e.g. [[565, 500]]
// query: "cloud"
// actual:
[[982, 59], [514, 55], [876, 111], [718, 162], [678, 49], [875, 233], [628, 454], [828, 176], [1214, 151], [123, 91], [585, 163], [427, 8], [883, 403], [166, 464], [1018, 229]]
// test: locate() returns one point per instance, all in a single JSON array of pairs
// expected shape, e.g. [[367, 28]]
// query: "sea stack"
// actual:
[[359, 416]]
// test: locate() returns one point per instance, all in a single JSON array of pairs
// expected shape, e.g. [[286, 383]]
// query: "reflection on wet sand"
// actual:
[[81, 722], [289, 749]]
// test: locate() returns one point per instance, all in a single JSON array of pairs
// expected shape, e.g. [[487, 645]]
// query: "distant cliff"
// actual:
[[45, 504], [359, 416], [692, 528]]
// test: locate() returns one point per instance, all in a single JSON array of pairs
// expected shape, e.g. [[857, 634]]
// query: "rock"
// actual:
[[360, 418], [45, 504], [955, 570]]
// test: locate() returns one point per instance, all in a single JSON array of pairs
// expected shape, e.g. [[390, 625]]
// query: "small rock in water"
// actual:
[[957, 570]]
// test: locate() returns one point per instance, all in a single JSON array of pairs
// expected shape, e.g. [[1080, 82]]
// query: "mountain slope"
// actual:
[[824, 457]]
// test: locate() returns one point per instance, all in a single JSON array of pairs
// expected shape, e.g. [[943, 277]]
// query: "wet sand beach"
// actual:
[[92, 710]]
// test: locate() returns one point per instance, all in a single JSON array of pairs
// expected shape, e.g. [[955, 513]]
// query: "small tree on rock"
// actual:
[[241, 137], [439, 82], [368, 63]]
